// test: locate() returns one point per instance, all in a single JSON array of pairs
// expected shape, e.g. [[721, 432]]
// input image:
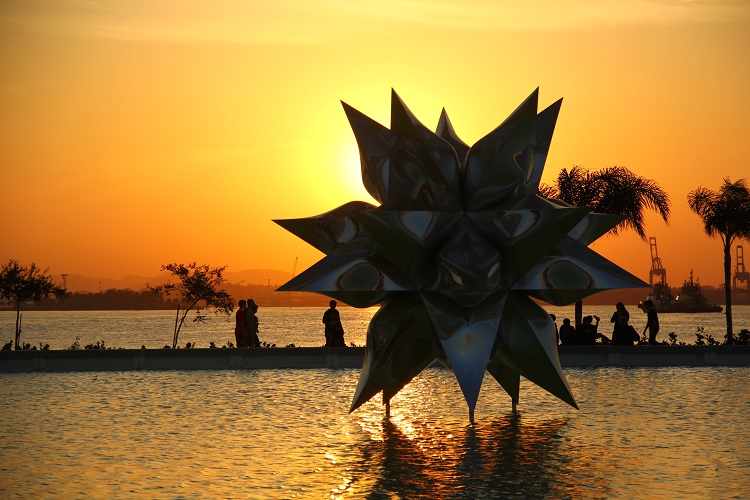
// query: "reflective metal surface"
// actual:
[[459, 245]]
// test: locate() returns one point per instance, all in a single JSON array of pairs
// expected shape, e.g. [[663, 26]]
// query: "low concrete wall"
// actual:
[[181, 359], [340, 357], [656, 355]]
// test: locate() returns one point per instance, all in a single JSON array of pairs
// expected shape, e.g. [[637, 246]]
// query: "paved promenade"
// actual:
[[340, 357]]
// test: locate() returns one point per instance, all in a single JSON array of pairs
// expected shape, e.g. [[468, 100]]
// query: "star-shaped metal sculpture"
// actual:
[[456, 252]]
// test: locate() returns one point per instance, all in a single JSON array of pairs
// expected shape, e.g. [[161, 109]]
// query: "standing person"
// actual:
[[334, 330], [554, 321], [239, 325], [620, 319], [251, 324], [652, 322]]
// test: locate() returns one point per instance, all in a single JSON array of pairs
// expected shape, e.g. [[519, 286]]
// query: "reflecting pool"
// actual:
[[666, 432]]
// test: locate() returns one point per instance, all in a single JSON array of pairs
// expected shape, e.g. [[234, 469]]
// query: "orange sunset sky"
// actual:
[[143, 132]]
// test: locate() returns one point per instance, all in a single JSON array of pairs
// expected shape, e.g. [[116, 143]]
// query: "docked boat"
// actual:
[[690, 299]]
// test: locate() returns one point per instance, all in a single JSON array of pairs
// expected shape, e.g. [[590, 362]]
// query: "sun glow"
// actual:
[[351, 171], [177, 114]]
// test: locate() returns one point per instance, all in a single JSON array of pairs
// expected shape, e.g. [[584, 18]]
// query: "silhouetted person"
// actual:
[[239, 325], [589, 331], [567, 333], [652, 322], [251, 324], [621, 332], [554, 322], [333, 329]]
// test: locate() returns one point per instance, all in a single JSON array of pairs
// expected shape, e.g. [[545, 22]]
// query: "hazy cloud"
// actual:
[[550, 14], [326, 21]]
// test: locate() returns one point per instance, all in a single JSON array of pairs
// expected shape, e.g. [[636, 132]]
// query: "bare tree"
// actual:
[[19, 283], [197, 283]]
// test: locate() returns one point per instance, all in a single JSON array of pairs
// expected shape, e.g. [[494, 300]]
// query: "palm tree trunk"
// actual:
[[579, 314], [729, 339], [18, 325]]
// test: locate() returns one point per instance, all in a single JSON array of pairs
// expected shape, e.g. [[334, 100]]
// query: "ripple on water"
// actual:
[[287, 434]]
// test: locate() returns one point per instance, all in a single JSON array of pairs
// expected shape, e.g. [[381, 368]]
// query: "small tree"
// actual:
[[197, 283], [20, 283]]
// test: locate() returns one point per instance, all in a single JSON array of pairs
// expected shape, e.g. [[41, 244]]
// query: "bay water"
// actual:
[[639, 433], [282, 326]]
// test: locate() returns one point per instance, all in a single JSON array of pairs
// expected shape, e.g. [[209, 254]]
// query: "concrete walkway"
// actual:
[[340, 357]]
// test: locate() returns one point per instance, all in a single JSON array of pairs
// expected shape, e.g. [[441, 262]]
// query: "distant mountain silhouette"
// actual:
[[270, 279], [80, 283]]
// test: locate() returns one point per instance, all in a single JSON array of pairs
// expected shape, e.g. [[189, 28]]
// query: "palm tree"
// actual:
[[726, 213], [614, 190]]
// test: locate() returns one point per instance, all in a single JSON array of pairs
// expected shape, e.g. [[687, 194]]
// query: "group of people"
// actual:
[[622, 334], [246, 327], [246, 324], [587, 334]]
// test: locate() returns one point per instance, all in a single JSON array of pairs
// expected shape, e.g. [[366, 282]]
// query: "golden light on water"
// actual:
[[278, 434]]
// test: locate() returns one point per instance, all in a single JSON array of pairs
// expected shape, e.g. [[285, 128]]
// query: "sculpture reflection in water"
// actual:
[[457, 249], [500, 458]]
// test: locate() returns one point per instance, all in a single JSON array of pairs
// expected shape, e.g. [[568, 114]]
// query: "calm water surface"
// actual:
[[640, 433], [282, 326]]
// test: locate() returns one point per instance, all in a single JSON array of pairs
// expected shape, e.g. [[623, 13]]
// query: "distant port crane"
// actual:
[[657, 269], [690, 298], [741, 276]]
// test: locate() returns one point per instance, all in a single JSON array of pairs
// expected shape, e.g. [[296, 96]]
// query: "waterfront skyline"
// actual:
[[141, 134]]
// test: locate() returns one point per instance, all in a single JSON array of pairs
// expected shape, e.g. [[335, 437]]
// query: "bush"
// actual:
[[673, 339], [701, 339], [743, 338]]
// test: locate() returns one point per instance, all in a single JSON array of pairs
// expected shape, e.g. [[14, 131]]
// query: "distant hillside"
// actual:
[[261, 283], [271, 277], [80, 283]]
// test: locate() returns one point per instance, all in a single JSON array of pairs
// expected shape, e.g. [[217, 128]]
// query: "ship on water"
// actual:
[[690, 298]]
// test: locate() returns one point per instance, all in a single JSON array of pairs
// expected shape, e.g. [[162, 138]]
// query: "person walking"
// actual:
[[652, 322]]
